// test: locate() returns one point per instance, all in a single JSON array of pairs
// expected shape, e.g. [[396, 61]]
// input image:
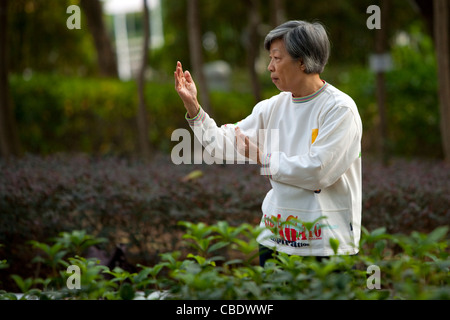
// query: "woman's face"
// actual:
[[286, 73]]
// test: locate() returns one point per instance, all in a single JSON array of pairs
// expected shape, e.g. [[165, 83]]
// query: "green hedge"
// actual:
[[417, 270], [140, 203], [58, 114], [412, 105]]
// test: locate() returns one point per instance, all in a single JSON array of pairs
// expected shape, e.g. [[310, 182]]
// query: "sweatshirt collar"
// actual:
[[311, 96]]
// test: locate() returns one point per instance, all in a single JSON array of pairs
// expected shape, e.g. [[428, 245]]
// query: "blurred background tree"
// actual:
[[106, 56], [9, 144], [59, 92], [142, 115], [441, 32], [43, 43], [196, 51]]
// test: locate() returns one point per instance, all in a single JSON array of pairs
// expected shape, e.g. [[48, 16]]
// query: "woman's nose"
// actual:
[[270, 66]]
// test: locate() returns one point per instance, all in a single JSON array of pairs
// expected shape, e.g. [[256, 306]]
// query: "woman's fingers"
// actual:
[[242, 143], [175, 75], [247, 141], [238, 133], [178, 74], [179, 69], [241, 139], [188, 77], [246, 147], [182, 78]]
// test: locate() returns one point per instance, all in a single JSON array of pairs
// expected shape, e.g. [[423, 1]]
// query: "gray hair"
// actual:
[[304, 41]]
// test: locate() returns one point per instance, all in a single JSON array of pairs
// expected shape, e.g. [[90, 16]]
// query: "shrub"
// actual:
[[419, 271], [60, 114], [412, 106], [406, 196], [140, 204], [125, 201]]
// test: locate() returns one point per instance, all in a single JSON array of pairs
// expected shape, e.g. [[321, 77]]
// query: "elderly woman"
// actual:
[[310, 147]]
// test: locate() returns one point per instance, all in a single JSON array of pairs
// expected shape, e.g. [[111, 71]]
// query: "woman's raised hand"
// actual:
[[187, 90]]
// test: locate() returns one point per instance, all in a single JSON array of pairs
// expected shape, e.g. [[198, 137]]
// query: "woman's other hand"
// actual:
[[246, 147]]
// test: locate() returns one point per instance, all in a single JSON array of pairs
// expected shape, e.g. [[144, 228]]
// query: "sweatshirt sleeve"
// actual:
[[219, 141], [337, 146]]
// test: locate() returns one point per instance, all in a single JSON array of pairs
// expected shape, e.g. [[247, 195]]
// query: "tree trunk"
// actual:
[[381, 47], [9, 142], [441, 37], [426, 10], [436, 15], [253, 43], [105, 54], [277, 13], [142, 116], [195, 48]]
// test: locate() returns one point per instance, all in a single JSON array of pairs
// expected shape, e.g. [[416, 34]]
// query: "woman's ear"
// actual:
[[302, 65]]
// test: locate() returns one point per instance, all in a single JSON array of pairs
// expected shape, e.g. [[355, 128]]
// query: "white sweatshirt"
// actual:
[[312, 155]]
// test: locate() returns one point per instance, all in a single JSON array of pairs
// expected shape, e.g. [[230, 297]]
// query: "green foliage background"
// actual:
[[62, 105], [205, 273], [65, 111], [57, 114]]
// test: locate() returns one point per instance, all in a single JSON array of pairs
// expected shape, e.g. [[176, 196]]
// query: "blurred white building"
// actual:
[[125, 20]]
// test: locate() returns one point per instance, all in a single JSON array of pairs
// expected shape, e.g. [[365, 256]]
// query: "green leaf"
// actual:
[[334, 243], [126, 291], [23, 284], [378, 232], [438, 234], [4, 264], [218, 246]]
